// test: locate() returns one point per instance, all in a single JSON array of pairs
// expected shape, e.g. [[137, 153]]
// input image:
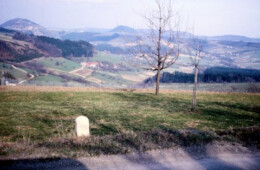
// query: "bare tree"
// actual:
[[159, 47], [195, 48]]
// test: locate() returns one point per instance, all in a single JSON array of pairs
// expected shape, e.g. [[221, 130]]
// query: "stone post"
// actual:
[[82, 126]]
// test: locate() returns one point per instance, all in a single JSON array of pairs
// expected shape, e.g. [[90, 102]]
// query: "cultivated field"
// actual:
[[39, 121]]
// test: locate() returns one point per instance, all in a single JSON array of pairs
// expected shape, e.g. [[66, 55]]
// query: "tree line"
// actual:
[[70, 48], [211, 75]]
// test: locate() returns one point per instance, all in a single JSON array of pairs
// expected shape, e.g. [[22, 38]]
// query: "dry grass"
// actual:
[[64, 147], [136, 78], [54, 89], [97, 89]]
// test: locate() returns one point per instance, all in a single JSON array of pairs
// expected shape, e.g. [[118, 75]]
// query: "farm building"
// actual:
[[92, 64]]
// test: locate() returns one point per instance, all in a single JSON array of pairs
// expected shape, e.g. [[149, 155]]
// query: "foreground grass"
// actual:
[[48, 117]]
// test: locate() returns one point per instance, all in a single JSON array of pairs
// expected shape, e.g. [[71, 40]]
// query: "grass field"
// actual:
[[40, 117], [45, 80], [52, 80], [58, 63], [112, 80]]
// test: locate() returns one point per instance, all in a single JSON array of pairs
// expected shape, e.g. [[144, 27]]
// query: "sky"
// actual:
[[205, 17]]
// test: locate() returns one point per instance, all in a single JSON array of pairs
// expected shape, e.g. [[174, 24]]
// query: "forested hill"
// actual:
[[70, 48], [17, 47], [211, 75]]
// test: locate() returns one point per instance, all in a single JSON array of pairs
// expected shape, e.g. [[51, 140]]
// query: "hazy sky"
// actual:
[[208, 17]]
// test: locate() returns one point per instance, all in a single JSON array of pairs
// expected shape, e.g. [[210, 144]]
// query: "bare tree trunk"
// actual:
[[157, 81], [194, 97], [161, 49], [159, 57]]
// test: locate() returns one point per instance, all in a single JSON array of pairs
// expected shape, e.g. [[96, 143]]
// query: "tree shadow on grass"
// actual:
[[223, 119], [254, 109], [167, 103]]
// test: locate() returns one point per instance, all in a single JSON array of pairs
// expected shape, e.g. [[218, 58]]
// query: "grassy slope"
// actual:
[[38, 115], [58, 63], [46, 79], [108, 78], [67, 65], [111, 80], [51, 80], [16, 73]]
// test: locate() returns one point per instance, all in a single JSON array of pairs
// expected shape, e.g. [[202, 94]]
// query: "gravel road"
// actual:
[[157, 159]]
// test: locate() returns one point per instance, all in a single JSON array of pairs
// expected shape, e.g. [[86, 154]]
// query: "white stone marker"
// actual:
[[82, 126]]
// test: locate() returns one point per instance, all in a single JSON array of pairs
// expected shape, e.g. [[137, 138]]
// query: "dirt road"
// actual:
[[31, 75], [159, 159]]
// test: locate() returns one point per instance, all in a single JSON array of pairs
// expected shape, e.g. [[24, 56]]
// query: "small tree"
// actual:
[[196, 48], [159, 47]]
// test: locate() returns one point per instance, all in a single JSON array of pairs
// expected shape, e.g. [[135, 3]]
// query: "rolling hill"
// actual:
[[29, 27], [17, 47], [123, 29], [112, 64], [234, 38]]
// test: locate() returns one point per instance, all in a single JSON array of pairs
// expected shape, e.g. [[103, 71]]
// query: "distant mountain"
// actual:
[[110, 48], [29, 27], [233, 38], [119, 32], [76, 36], [123, 29], [241, 44], [91, 37], [118, 35]]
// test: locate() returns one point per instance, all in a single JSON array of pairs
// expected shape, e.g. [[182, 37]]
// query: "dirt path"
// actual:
[[81, 68], [31, 75], [53, 69], [86, 76]]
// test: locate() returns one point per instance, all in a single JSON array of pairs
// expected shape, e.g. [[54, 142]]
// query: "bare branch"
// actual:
[[161, 48]]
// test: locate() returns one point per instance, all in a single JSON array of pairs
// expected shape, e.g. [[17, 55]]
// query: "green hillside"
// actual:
[[12, 72], [58, 63]]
